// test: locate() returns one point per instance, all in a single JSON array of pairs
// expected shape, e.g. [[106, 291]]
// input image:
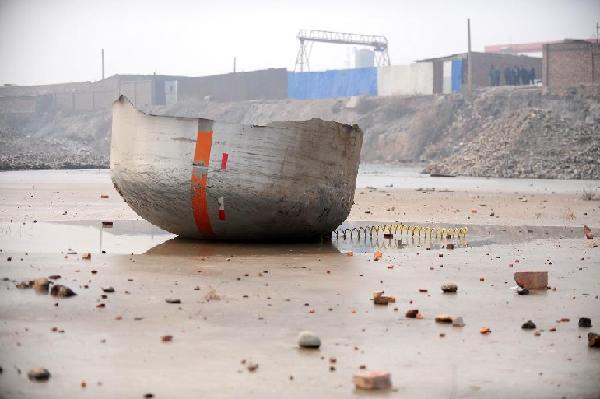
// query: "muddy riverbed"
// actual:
[[246, 303]]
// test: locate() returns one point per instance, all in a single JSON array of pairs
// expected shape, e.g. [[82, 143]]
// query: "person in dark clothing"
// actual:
[[508, 76], [497, 77], [515, 76], [492, 74], [532, 76], [523, 76]]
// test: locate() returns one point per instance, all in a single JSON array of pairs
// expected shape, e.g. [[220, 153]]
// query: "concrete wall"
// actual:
[[17, 104], [571, 63], [239, 86], [405, 79]]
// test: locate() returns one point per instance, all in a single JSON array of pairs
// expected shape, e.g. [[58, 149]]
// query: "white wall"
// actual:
[[447, 75], [409, 79]]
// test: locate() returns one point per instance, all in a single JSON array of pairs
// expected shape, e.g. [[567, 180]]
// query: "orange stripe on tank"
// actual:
[[199, 183]]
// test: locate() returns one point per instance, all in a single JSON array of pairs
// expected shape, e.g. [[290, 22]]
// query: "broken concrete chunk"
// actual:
[[108, 289], [412, 313], [593, 340], [585, 322], [532, 280], [449, 288], [86, 256], [457, 321], [308, 339], [529, 325], [173, 300], [62, 291], [372, 380], [38, 374]]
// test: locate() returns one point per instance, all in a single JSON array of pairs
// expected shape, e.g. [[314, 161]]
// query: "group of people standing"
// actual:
[[514, 76]]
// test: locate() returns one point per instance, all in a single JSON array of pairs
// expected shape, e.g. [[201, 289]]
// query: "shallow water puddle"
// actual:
[[139, 236]]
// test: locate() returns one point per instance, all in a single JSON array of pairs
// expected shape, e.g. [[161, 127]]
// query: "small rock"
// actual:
[[54, 276], [41, 283], [252, 367], [593, 340], [449, 288], [443, 318], [380, 299], [166, 338], [532, 280], [25, 284], [377, 255], [450, 246], [585, 322], [484, 330], [308, 339], [61, 291], [173, 300], [457, 321], [529, 325], [212, 295], [38, 374], [372, 380], [588, 232], [412, 313], [522, 291], [86, 256], [108, 289]]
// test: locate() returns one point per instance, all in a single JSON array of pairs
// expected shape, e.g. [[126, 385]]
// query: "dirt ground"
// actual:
[[244, 304]]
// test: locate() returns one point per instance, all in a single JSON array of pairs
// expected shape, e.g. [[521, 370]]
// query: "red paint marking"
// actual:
[[221, 209], [224, 161], [199, 183]]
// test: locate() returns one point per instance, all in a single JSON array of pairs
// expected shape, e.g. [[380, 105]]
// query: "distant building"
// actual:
[[529, 49], [450, 72], [571, 62]]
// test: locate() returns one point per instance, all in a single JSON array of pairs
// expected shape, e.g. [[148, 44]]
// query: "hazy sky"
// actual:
[[51, 41]]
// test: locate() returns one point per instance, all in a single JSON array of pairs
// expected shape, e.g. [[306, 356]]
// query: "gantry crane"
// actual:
[[308, 37]]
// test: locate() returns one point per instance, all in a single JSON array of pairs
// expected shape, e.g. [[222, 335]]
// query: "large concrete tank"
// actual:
[[364, 58], [204, 179]]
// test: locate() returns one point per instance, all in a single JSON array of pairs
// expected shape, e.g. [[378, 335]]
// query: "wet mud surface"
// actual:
[[228, 306]]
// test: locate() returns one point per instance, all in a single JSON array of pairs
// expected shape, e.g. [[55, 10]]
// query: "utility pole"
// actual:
[[102, 52], [469, 61], [234, 60], [597, 32]]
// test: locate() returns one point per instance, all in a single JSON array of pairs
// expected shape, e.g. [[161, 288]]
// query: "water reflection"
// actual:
[[122, 237], [139, 236], [184, 247]]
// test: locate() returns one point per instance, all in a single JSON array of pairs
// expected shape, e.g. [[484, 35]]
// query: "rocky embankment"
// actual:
[[500, 132], [526, 133], [55, 141]]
